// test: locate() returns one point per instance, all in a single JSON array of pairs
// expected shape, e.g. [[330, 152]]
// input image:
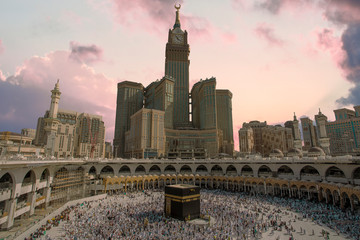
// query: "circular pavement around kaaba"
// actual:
[[140, 215]]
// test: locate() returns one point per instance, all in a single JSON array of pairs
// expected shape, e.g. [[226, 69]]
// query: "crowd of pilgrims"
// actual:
[[140, 215]]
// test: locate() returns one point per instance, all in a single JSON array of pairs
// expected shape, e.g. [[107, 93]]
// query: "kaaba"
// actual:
[[182, 201]]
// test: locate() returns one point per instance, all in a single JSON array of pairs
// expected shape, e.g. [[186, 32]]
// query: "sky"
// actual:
[[277, 57]]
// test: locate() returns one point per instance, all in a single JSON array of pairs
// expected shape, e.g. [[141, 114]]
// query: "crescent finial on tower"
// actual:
[[177, 7], [177, 19]]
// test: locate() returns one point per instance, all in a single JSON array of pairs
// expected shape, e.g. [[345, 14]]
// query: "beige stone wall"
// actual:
[[246, 140], [256, 137], [146, 133], [29, 132], [63, 146], [257, 133], [68, 135], [188, 140], [276, 137]]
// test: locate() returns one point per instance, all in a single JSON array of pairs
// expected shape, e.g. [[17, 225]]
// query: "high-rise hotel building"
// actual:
[[165, 119], [130, 99], [344, 132], [65, 133]]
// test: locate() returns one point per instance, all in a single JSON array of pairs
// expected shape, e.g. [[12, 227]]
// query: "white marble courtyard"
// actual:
[[234, 216]]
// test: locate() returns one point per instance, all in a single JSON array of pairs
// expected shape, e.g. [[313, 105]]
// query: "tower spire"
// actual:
[[55, 97], [57, 85], [295, 117], [177, 19]]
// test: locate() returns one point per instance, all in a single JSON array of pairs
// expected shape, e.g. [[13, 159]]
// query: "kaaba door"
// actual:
[[168, 206]]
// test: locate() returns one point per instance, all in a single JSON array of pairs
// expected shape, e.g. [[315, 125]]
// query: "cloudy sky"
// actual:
[[276, 56]]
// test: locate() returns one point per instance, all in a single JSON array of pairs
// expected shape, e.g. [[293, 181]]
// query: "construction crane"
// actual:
[[92, 137]]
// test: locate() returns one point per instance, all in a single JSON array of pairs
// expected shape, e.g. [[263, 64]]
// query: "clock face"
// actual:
[[178, 39]]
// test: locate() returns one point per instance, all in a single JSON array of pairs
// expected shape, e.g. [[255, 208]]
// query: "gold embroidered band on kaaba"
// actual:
[[183, 199]]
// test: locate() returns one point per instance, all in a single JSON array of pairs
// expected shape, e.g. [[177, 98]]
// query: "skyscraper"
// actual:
[[204, 104], [130, 97], [224, 118], [177, 66], [344, 132], [206, 131]]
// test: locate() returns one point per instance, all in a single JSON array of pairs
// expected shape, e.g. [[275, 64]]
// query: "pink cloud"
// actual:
[[328, 42], [2, 76], [87, 54], [337, 11], [82, 88], [153, 16], [1, 47], [198, 27], [157, 16], [342, 11], [345, 51], [229, 37], [241, 4], [266, 32], [275, 6]]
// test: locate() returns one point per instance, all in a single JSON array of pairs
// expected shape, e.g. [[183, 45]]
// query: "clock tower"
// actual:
[[177, 66]]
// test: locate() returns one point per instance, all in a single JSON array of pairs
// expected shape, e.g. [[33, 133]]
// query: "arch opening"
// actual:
[[247, 171], [309, 173], [140, 170], [356, 173], [155, 170], [201, 169], [216, 170], [125, 171], [285, 171], [92, 171], [29, 178], [231, 171], [107, 171], [334, 172], [6, 182], [170, 169], [185, 169], [264, 171]]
